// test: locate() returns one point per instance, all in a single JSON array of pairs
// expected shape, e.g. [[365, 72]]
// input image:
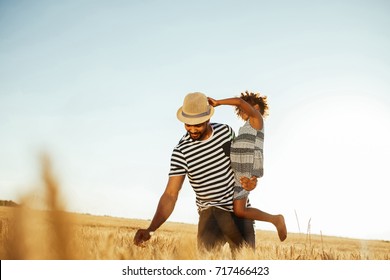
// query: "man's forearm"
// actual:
[[164, 210]]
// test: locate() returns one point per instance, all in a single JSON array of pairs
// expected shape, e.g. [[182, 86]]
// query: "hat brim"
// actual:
[[192, 120]]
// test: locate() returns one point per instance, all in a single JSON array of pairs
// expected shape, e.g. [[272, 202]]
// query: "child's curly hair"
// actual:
[[253, 99]]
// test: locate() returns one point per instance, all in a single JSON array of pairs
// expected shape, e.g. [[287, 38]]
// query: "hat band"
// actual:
[[196, 116]]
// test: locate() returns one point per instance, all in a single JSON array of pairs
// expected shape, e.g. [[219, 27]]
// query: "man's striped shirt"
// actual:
[[207, 165]]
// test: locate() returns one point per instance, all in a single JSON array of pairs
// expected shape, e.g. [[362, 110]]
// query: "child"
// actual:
[[247, 156]]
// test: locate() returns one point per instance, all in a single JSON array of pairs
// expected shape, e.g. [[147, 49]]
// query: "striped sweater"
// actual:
[[247, 153]]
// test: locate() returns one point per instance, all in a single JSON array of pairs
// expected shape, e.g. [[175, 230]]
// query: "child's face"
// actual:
[[243, 115]]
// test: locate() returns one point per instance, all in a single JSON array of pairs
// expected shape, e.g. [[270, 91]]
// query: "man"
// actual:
[[203, 155]]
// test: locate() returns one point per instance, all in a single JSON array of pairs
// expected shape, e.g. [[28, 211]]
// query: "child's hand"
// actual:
[[212, 102]]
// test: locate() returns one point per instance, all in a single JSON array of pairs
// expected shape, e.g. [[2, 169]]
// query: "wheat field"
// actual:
[[33, 234], [27, 233]]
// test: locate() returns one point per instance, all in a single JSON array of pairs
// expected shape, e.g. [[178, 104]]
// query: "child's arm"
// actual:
[[255, 118]]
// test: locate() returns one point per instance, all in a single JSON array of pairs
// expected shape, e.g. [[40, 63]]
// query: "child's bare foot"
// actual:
[[281, 227]]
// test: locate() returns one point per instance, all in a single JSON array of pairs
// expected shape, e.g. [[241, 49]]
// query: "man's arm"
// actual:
[[164, 209]]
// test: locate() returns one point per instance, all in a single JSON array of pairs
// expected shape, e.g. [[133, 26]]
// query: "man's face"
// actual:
[[197, 131]]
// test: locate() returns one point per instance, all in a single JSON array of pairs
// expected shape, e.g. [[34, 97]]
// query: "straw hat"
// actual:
[[195, 109]]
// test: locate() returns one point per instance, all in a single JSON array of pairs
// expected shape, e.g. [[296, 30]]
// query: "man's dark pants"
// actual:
[[217, 226]]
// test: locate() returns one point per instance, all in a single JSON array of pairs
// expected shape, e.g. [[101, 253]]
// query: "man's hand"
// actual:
[[141, 236], [248, 184]]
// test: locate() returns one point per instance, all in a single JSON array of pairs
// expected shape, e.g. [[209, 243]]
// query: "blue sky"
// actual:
[[96, 85]]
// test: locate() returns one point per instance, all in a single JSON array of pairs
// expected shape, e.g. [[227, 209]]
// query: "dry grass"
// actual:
[[55, 234]]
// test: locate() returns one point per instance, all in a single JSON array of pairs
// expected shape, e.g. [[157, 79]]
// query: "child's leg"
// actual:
[[240, 210]]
